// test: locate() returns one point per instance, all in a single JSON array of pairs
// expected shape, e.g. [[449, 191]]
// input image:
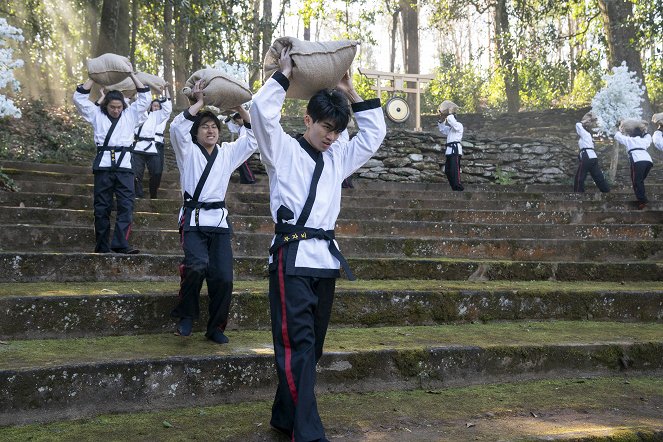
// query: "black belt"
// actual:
[[586, 148], [288, 233], [112, 149], [637, 148], [454, 147], [144, 139], [161, 135], [204, 205]]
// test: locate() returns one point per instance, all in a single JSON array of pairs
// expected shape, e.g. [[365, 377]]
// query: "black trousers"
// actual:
[[154, 165], [207, 255], [452, 171], [245, 174], [300, 309], [639, 171], [591, 166], [106, 184]]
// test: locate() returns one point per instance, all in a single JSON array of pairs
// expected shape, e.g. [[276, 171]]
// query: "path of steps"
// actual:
[[488, 286]]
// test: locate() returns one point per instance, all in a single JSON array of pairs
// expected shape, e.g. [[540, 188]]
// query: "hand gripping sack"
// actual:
[[221, 90], [448, 106], [154, 82], [316, 65], [657, 118], [589, 120], [631, 125], [108, 69]]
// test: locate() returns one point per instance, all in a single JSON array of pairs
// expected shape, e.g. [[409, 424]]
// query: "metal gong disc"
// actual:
[[397, 109]]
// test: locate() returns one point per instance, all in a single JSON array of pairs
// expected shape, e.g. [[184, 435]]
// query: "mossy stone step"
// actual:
[[35, 267], [53, 378], [79, 239], [58, 311], [606, 409]]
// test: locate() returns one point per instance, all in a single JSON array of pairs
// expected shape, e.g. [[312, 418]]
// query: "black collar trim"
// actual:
[[310, 150]]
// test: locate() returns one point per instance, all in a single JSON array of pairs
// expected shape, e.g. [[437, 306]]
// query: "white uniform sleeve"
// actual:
[[344, 137], [142, 103], [372, 130], [266, 116], [623, 139], [658, 140], [164, 112], [455, 125], [180, 136], [85, 107], [585, 136], [444, 129], [242, 148]]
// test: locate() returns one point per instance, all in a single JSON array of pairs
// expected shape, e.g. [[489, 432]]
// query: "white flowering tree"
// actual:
[[620, 98], [235, 70], [7, 66]]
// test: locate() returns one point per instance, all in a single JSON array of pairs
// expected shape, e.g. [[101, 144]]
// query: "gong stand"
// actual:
[[397, 108]]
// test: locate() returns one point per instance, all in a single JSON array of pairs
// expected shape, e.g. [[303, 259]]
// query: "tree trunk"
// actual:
[[114, 28], [168, 44], [506, 58], [134, 31], [256, 62], [394, 31], [410, 23], [92, 25], [614, 162], [267, 28], [181, 55], [620, 34]]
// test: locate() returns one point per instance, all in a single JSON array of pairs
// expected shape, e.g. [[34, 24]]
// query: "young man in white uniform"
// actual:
[[641, 163], [588, 162], [453, 130], [305, 176], [235, 124]]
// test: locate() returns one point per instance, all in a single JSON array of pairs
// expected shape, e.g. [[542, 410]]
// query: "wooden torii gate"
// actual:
[[398, 84]]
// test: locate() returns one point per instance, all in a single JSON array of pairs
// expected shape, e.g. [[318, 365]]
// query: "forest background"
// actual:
[[488, 56]]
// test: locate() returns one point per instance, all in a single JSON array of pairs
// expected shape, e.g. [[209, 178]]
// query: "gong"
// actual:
[[397, 109]]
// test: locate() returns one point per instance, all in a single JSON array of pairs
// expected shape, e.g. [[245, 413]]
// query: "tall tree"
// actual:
[[410, 25], [168, 46], [620, 34], [506, 56], [134, 31], [114, 28]]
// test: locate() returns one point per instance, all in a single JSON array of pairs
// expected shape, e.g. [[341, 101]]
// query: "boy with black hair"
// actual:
[[146, 151], [636, 145], [113, 122], [305, 175], [588, 162], [236, 127], [205, 169]]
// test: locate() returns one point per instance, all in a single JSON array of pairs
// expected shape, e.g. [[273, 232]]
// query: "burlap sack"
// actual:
[[316, 65], [448, 106], [589, 120], [221, 90], [108, 69], [657, 118], [126, 86], [632, 125], [154, 82]]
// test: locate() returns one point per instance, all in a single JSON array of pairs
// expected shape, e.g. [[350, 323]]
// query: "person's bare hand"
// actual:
[[285, 62], [197, 90]]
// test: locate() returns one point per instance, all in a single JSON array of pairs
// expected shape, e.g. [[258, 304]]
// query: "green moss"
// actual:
[[411, 362]]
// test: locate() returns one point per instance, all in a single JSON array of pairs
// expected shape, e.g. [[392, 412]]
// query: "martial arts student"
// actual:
[[113, 122], [205, 169], [146, 152], [453, 130], [587, 159], [658, 137], [305, 175], [641, 163], [235, 124]]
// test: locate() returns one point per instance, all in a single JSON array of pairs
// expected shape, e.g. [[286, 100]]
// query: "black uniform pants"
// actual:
[[154, 166], [591, 166], [639, 171], [300, 309], [207, 255], [106, 184], [245, 174], [452, 171]]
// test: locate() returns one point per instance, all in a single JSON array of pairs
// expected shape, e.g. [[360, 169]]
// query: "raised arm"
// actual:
[[584, 135], [265, 115], [85, 107], [658, 139]]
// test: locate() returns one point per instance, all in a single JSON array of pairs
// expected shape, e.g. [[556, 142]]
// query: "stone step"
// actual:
[[45, 182], [168, 212], [349, 207], [364, 184], [19, 237], [565, 410], [39, 311], [345, 227], [46, 379], [63, 267]]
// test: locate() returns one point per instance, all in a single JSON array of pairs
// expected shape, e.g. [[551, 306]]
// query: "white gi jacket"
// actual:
[[585, 142], [146, 137], [191, 161], [658, 140], [123, 134], [636, 147], [289, 164], [453, 130]]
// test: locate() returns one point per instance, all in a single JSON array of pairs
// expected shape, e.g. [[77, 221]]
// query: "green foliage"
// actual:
[[7, 183], [461, 84], [542, 83], [503, 177], [653, 71]]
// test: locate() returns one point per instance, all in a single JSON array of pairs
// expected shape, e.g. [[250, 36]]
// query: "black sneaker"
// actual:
[[127, 251], [218, 337], [184, 327]]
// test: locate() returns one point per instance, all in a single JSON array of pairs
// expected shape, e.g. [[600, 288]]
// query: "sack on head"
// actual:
[[126, 86], [589, 120], [108, 69], [657, 118], [316, 65], [154, 82], [449, 106], [221, 90], [633, 127]]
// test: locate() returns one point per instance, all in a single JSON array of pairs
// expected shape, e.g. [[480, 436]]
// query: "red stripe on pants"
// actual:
[[284, 332]]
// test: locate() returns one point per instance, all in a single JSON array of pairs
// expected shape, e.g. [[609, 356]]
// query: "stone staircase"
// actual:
[[497, 286]]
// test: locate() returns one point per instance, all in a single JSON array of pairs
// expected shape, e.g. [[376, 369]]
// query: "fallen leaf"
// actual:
[[470, 425], [167, 424]]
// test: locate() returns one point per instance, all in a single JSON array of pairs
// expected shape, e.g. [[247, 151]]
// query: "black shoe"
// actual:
[[282, 430], [127, 251], [184, 327], [218, 337], [102, 251]]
